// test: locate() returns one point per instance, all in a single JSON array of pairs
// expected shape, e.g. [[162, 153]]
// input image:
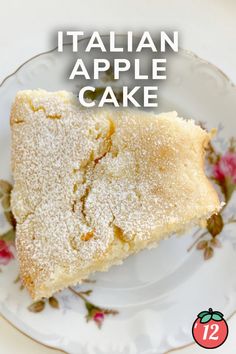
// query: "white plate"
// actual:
[[158, 292]]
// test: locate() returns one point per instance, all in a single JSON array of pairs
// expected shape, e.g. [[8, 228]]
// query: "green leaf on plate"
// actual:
[[215, 242], [87, 292], [10, 218], [53, 302], [202, 245], [216, 317], [93, 95], [230, 187], [215, 224], [5, 187], [17, 279], [6, 202], [37, 306], [208, 253], [206, 318], [8, 236]]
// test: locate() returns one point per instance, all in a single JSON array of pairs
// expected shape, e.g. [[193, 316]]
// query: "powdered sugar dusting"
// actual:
[[84, 178]]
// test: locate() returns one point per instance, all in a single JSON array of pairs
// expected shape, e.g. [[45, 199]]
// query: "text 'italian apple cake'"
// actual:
[[93, 186]]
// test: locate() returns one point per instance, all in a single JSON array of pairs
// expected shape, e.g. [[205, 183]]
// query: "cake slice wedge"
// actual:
[[93, 186]]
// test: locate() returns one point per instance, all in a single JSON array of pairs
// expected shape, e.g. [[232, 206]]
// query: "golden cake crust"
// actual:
[[95, 185]]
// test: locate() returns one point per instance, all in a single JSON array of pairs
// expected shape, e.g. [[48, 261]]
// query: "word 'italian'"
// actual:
[[112, 43]]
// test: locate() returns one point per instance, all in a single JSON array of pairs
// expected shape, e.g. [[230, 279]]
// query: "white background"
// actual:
[[207, 27]]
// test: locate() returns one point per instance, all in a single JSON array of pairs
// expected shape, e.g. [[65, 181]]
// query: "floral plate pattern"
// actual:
[[148, 304]]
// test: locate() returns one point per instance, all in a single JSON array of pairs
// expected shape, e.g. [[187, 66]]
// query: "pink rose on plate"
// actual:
[[5, 253], [226, 168], [98, 318]]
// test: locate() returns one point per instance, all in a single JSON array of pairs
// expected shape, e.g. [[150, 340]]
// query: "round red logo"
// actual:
[[210, 330]]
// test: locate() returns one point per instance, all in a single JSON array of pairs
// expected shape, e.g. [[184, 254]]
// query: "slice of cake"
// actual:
[[93, 186]]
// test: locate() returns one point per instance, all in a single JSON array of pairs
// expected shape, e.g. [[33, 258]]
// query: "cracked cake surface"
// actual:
[[95, 185]]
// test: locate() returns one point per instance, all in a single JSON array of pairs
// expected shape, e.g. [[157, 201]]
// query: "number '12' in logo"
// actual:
[[210, 330]]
